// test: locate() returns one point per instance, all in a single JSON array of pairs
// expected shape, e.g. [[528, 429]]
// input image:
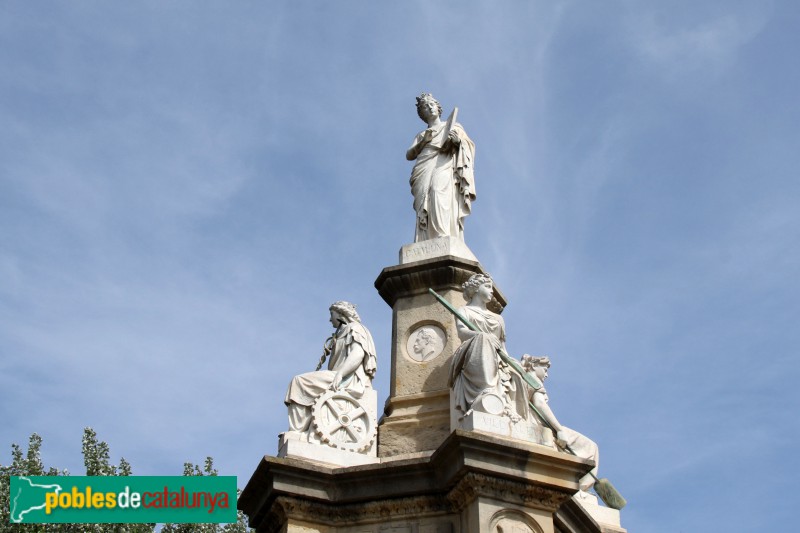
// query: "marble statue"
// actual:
[[351, 366], [581, 445], [442, 180], [479, 379]]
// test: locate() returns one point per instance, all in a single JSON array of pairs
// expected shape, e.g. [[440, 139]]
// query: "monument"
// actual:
[[467, 441]]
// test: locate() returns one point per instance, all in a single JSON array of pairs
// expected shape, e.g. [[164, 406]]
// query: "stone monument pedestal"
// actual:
[[472, 483]]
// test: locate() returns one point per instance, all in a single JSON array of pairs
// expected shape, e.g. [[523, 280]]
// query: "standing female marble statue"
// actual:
[[477, 373], [442, 181], [351, 367]]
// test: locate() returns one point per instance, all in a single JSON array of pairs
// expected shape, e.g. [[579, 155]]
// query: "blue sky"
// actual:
[[185, 187]]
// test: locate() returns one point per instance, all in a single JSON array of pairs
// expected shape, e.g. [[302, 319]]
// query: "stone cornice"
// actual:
[[447, 272], [286, 507], [474, 484]]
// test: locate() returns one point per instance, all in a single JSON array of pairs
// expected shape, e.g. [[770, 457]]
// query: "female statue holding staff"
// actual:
[[442, 180], [477, 373]]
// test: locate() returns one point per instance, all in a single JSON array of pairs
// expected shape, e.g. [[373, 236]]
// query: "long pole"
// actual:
[[603, 486]]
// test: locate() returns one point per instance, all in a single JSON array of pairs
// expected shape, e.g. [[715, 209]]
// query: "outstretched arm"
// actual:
[[540, 402]]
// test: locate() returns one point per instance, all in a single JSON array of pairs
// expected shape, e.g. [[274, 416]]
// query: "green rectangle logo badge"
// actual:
[[122, 499]]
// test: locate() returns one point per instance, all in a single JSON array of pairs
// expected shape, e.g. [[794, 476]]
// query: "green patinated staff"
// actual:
[[602, 486]]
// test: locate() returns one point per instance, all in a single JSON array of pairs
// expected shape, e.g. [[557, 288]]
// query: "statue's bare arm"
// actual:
[[419, 143], [542, 406], [464, 332], [544, 409], [355, 357]]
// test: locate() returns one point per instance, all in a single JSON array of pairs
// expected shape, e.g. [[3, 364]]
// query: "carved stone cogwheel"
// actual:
[[343, 422]]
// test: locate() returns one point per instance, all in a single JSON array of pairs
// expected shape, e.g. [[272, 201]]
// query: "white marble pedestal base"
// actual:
[[501, 425], [439, 247], [308, 445], [498, 424], [607, 517], [294, 445]]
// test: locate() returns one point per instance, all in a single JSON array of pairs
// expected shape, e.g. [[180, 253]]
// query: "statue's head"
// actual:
[[426, 335], [422, 104], [537, 365], [471, 286], [346, 310], [529, 362], [425, 343]]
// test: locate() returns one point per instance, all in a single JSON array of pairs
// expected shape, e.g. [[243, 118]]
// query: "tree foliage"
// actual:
[[97, 460]]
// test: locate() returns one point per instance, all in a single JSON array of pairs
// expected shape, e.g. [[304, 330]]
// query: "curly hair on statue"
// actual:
[[529, 362], [347, 310], [424, 97], [470, 287]]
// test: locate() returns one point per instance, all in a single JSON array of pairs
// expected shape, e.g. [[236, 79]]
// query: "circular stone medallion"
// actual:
[[489, 403], [426, 343]]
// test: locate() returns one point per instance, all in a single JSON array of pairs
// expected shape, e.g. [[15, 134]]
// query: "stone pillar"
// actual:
[[417, 412]]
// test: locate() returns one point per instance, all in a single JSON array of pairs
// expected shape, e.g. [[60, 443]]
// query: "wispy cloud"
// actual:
[[698, 42]]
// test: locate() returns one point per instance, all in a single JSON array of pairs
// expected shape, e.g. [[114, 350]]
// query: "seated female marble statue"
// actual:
[[478, 377], [351, 366], [580, 444]]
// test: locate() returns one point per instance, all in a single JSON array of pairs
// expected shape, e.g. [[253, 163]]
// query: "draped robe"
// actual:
[[306, 388], [476, 369], [443, 185]]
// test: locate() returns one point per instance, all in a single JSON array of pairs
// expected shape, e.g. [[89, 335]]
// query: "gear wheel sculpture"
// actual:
[[343, 422]]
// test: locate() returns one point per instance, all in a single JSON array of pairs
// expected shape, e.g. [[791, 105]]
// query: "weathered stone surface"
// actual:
[[417, 412], [414, 423], [499, 425], [572, 517], [462, 486], [605, 516], [446, 272], [433, 248]]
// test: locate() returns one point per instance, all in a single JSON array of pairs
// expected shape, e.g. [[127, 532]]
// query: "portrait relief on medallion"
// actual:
[[510, 521], [426, 343]]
